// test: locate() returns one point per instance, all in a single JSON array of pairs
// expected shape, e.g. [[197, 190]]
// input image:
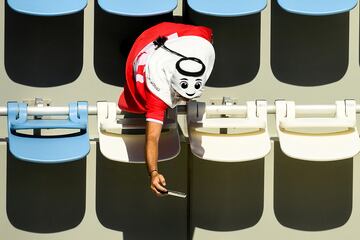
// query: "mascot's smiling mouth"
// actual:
[[190, 94]]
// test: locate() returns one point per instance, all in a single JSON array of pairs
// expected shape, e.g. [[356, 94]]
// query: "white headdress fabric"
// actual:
[[160, 66]]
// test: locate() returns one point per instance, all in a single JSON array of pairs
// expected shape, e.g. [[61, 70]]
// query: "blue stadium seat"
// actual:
[[317, 7], [303, 36], [138, 7], [228, 8], [47, 7], [117, 23], [48, 149], [236, 27]]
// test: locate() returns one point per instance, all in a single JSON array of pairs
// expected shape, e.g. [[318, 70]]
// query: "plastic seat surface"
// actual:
[[48, 149], [301, 141], [47, 7], [140, 8], [250, 142], [228, 8], [118, 146], [317, 7]]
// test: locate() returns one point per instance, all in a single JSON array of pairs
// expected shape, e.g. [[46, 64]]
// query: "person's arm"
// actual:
[[157, 181]]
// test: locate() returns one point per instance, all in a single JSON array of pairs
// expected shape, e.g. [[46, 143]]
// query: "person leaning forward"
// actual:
[[168, 64]]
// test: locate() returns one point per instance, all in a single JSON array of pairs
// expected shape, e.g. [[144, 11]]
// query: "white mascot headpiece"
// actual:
[[181, 64]]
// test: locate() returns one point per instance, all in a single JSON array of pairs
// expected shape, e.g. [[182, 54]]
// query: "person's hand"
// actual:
[[157, 183]]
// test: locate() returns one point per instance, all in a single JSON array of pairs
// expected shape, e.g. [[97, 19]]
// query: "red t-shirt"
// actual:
[[136, 97]]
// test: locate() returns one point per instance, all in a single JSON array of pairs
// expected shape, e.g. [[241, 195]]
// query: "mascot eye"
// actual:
[[198, 85], [183, 85]]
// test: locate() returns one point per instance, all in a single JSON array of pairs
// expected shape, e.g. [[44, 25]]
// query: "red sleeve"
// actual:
[[155, 108]]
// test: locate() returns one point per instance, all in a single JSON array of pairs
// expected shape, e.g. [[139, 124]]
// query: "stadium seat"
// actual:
[[138, 7], [116, 26], [229, 8], [118, 144], [317, 7], [48, 149], [303, 36], [47, 7], [238, 55], [246, 138], [318, 138], [44, 41]]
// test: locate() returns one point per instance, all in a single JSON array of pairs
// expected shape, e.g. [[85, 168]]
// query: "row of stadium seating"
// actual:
[[239, 138], [147, 8], [300, 55]]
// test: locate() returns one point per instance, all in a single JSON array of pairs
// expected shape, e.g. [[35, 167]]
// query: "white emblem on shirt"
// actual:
[[139, 78]]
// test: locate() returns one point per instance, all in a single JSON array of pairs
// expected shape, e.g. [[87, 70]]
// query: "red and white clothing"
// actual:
[[136, 97]]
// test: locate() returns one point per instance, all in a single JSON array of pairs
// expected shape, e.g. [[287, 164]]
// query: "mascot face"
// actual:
[[183, 65], [188, 78]]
